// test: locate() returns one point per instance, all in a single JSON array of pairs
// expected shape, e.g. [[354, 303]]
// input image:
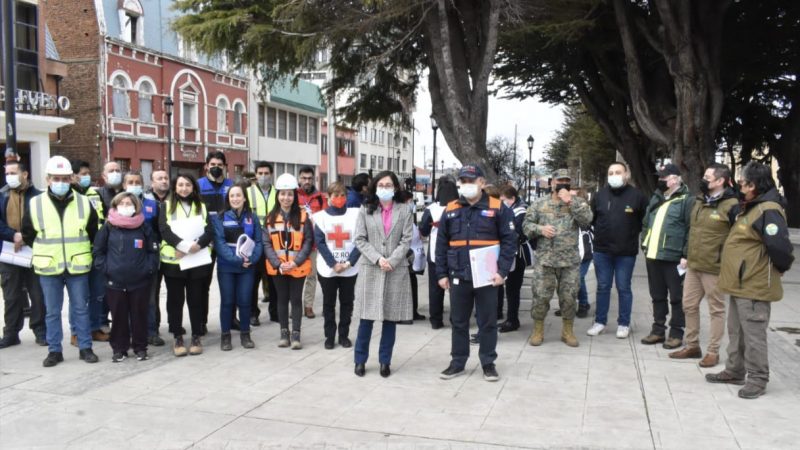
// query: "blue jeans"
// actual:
[[620, 270], [78, 290], [235, 288], [583, 294], [98, 309], [388, 334]]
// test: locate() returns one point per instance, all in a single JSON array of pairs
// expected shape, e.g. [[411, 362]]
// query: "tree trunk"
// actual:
[[787, 150], [460, 44], [688, 37]]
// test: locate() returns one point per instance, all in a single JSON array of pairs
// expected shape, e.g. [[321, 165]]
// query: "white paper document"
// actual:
[[245, 246], [21, 258], [190, 229], [483, 262], [192, 260]]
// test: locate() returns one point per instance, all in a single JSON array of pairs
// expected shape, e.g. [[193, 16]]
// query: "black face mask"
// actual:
[[561, 186], [662, 185], [704, 186], [215, 171]]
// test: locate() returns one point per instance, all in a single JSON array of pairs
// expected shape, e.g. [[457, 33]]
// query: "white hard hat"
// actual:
[[285, 182], [58, 165]]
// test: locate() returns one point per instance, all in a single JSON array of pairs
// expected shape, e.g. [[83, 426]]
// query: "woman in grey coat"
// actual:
[[383, 234]]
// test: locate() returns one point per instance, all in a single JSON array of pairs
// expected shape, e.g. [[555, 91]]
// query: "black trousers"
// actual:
[[194, 293], [129, 310], [462, 297], [435, 296], [289, 290], [346, 288], [260, 276], [414, 289], [511, 291], [663, 279], [19, 284]]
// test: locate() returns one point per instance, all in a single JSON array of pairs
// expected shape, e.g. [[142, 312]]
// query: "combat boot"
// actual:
[[567, 336], [537, 337]]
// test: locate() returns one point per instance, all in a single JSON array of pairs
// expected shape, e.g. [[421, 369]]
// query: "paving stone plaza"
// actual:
[[607, 393]]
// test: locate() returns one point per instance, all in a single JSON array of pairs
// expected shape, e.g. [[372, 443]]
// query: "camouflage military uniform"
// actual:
[[557, 260]]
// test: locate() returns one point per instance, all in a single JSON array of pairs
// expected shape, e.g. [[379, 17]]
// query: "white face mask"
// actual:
[[384, 194], [468, 190], [615, 181], [114, 178], [13, 181], [127, 211]]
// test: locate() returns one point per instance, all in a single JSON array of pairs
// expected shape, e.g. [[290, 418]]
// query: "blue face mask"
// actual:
[[384, 194], [135, 190], [59, 188], [85, 181]]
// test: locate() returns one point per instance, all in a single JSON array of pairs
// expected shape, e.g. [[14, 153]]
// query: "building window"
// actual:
[[363, 160], [324, 144], [238, 118], [281, 124], [389, 140], [374, 137], [272, 117], [292, 126], [261, 120], [124, 164], [371, 161], [380, 162], [119, 98], [302, 128], [404, 165], [344, 147], [222, 115], [388, 163], [186, 50], [145, 102], [27, 47], [383, 136], [131, 21], [313, 129], [364, 133], [188, 109]]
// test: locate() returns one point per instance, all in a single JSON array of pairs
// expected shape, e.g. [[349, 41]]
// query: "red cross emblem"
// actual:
[[338, 236]]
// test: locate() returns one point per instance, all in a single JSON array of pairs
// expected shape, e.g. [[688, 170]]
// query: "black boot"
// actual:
[[246, 341], [225, 344]]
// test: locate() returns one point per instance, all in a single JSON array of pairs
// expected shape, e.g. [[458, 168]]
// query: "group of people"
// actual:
[[111, 246]]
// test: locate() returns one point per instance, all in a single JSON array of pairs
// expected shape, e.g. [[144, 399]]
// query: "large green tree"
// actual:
[[377, 51]]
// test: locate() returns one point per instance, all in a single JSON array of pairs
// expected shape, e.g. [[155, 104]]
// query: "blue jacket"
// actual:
[[464, 227], [322, 244], [128, 257], [354, 199], [227, 229], [213, 194], [150, 211], [6, 232]]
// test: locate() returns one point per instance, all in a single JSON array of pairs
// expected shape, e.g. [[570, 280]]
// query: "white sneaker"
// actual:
[[623, 332], [596, 329]]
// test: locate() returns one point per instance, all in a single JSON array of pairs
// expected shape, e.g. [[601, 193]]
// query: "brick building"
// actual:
[[126, 66], [39, 97]]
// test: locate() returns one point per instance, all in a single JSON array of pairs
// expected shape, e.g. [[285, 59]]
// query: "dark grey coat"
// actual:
[[383, 295]]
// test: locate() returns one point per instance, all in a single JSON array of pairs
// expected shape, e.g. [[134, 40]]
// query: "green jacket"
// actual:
[[561, 250], [757, 250], [665, 229], [707, 232]]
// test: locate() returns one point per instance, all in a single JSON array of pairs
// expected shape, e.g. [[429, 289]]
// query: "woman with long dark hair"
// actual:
[[236, 267], [183, 203], [287, 250], [383, 235], [429, 227]]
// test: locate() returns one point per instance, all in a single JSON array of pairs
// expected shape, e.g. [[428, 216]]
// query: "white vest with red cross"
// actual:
[[340, 234]]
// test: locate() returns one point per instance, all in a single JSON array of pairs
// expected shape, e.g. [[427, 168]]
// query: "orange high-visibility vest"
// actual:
[[287, 244]]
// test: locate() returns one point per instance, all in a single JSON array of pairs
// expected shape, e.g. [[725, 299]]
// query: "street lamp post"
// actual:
[[530, 165], [398, 161], [168, 105], [435, 127]]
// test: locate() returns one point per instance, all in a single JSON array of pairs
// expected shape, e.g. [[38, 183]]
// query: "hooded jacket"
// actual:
[[757, 250], [665, 231]]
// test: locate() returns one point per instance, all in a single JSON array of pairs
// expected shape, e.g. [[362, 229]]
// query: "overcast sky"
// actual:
[[531, 117]]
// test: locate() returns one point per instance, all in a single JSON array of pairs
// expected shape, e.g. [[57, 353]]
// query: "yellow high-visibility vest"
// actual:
[[168, 255], [61, 244], [261, 206]]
